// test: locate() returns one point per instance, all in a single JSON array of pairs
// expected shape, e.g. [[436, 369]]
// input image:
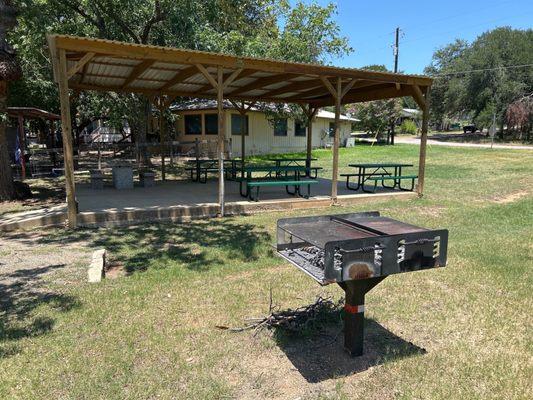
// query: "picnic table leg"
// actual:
[[363, 180]]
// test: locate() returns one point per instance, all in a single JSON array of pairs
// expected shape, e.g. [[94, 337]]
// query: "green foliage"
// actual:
[[408, 127], [376, 116], [489, 89]]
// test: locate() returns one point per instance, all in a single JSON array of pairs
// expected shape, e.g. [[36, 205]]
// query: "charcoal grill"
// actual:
[[357, 251]]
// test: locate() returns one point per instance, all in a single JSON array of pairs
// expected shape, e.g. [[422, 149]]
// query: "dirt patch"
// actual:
[[511, 197], [115, 269]]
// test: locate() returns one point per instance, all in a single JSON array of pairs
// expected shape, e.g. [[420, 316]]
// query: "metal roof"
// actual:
[[104, 65], [209, 104]]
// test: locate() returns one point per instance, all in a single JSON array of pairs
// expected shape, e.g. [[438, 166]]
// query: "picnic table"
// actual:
[[201, 167], [270, 175], [379, 172], [280, 162]]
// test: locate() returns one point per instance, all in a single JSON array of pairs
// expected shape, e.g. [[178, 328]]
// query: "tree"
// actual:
[[240, 27], [376, 116], [481, 79], [519, 116], [9, 71]]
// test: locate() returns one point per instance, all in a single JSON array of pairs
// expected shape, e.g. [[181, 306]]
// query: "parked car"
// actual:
[[470, 128]]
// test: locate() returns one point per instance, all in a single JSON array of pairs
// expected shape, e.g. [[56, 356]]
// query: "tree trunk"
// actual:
[[7, 191]]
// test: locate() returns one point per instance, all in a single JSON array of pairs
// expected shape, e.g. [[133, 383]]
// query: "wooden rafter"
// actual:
[[80, 64], [293, 87], [179, 77], [208, 76], [418, 96], [137, 71], [245, 73], [260, 83]]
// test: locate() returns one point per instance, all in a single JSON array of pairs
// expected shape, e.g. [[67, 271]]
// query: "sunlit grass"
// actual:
[[152, 333]]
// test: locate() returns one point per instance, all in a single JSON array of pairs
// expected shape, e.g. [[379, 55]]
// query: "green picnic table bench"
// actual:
[[376, 172], [289, 175], [396, 179], [280, 182]]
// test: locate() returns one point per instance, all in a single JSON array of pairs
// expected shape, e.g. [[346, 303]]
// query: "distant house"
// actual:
[[98, 132], [199, 119]]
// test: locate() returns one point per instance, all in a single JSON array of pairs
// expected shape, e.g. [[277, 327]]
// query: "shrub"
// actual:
[[408, 127]]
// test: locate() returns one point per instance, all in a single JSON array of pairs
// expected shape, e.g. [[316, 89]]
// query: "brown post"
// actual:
[[221, 138], [162, 138], [423, 145], [22, 146], [310, 112], [338, 98], [242, 111], [66, 131]]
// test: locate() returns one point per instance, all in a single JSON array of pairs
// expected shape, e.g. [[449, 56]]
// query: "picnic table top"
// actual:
[[282, 168], [290, 159], [379, 165], [209, 160]]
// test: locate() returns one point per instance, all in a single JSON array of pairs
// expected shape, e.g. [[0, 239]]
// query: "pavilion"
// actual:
[[164, 73]]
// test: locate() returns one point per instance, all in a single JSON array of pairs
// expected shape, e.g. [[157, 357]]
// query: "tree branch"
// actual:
[[157, 16]]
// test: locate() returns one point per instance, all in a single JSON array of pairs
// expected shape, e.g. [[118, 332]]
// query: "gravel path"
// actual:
[[410, 140]]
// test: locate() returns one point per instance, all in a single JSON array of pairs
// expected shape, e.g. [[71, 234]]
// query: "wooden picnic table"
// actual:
[[373, 171]]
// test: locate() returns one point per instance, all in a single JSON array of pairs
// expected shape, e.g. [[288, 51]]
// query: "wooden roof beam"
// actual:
[[293, 87], [80, 64], [245, 73], [137, 71], [260, 83], [179, 77], [384, 91], [419, 97]]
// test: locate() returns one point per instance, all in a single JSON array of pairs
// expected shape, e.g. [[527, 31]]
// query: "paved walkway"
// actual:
[[411, 140]]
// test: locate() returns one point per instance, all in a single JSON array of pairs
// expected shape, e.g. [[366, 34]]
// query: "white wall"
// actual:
[[261, 139]]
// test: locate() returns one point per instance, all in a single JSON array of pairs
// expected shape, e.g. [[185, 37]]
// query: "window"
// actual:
[[211, 124], [236, 123], [280, 127], [193, 124], [332, 129], [299, 129]]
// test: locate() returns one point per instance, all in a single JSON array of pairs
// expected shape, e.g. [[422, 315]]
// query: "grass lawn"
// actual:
[[461, 332]]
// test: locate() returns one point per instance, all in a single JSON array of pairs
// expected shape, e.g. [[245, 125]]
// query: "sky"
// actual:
[[425, 26]]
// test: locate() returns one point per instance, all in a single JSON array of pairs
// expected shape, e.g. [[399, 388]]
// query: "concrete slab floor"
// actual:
[[175, 193]]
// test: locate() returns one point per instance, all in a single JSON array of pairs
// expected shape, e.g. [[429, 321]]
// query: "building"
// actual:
[[198, 120]]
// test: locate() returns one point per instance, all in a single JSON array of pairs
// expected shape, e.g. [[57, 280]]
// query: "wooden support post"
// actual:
[[22, 147], [310, 111], [338, 98], [221, 137], [162, 138], [66, 130], [243, 133], [423, 146]]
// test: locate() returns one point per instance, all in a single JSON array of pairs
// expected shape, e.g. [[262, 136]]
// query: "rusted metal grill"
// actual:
[[357, 251]]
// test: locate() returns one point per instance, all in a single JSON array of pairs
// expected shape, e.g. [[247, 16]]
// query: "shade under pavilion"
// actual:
[[164, 73]]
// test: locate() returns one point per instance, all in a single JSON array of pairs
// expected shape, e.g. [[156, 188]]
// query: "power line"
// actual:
[[482, 70]]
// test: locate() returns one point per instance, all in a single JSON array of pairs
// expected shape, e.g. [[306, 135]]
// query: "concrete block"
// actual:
[[96, 270], [147, 178], [97, 180], [123, 177]]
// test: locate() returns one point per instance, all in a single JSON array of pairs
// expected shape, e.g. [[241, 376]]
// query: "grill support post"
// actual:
[[354, 314]]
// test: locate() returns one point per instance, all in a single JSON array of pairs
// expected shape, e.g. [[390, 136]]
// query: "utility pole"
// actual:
[[396, 51]]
